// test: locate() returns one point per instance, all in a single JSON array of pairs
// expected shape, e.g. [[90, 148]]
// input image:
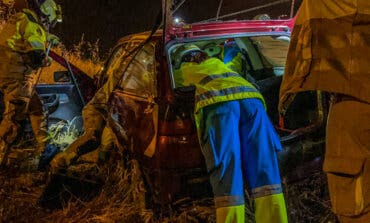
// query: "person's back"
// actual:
[[237, 138], [224, 80]]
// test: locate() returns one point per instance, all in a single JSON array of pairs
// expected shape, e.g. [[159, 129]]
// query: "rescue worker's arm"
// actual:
[[179, 79], [29, 38], [94, 114], [52, 39], [235, 63], [33, 35]]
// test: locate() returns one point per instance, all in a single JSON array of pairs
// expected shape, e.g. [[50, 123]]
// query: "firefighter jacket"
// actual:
[[214, 83], [21, 35], [328, 50]]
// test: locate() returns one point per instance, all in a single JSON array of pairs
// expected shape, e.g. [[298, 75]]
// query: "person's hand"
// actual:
[[53, 39], [47, 61], [62, 160], [46, 156]]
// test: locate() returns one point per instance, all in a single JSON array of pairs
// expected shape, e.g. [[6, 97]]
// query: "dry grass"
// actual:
[[90, 63], [123, 199], [308, 200]]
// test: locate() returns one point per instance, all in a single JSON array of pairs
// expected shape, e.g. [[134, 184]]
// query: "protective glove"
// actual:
[[53, 39], [62, 160], [47, 61], [34, 58], [48, 154]]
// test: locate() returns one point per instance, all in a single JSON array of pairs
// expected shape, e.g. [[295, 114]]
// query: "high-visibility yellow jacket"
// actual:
[[214, 83], [20, 34], [23, 33]]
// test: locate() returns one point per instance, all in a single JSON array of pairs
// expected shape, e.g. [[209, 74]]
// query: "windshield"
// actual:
[[260, 57], [192, 11]]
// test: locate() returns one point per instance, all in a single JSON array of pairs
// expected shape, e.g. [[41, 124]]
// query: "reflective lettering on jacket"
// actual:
[[23, 33]]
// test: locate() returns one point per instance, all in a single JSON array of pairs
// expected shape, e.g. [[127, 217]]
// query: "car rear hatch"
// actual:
[[202, 18]]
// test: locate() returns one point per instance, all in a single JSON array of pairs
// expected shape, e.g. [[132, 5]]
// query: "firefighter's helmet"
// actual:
[[7, 2], [47, 10], [50, 10], [183, 50]]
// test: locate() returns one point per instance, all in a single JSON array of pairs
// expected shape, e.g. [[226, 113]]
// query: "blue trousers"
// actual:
[[239, 142]]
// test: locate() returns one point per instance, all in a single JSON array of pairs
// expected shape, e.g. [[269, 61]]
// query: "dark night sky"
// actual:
[[108, 20]]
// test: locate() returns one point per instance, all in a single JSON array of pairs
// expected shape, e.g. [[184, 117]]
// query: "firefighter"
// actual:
[[229, 53], [97, 141], [23, 41], [328, 52], [237, 139]]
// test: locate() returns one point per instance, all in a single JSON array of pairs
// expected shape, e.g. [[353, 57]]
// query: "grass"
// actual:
[[90, 63], [122, 199]]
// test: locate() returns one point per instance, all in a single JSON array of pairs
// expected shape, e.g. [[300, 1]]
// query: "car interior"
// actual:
[[262, 63]]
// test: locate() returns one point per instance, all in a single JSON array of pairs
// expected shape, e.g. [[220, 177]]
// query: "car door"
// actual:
[[132, 109]]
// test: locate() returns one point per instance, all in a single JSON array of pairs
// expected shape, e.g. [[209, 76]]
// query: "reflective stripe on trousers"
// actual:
[[237, 145]]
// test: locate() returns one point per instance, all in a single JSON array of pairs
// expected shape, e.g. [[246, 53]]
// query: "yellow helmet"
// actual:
[[181, 51], [51, 10], [8, 2], [212, 49]]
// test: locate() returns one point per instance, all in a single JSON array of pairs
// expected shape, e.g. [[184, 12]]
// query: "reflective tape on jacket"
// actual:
[[215, 76], [23, 33], [214, 83]]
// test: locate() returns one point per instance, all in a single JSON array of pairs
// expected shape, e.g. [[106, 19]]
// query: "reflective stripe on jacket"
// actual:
[[22, 33], [214, 83]]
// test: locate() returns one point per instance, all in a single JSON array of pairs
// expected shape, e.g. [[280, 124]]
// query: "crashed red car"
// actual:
[[153, 117]]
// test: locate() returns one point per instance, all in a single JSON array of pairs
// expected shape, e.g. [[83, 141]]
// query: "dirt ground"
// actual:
[[122, 198]]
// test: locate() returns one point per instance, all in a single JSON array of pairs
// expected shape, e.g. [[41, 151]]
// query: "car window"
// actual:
[[273, 51], [114, 60], [140, 78], [260, 57]]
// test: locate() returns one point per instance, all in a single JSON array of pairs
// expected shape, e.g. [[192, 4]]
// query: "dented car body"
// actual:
[[153, 117]]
